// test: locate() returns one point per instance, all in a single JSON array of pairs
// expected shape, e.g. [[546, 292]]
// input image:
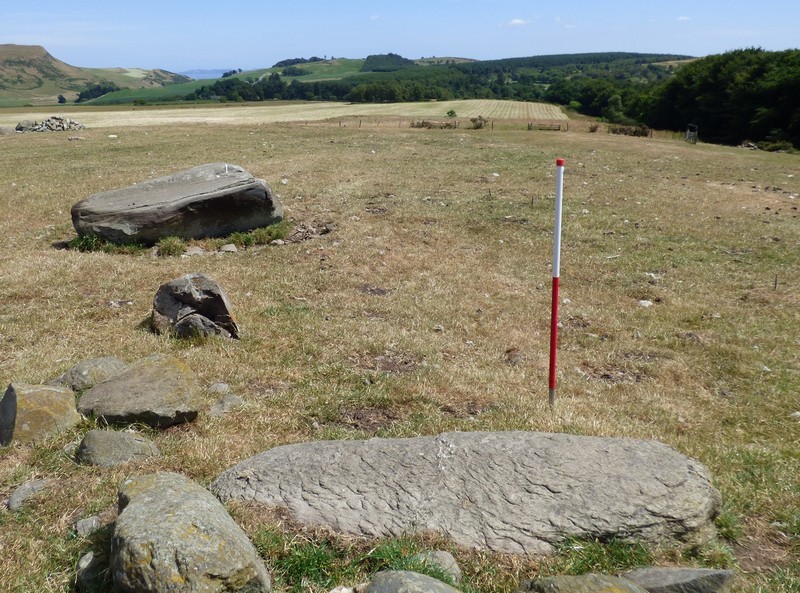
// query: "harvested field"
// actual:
[[234, 114]]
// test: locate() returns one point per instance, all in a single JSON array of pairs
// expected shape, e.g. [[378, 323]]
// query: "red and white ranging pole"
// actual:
[[556, 276]]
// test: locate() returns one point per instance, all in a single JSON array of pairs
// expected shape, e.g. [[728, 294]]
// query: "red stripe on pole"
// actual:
[[553, 334]]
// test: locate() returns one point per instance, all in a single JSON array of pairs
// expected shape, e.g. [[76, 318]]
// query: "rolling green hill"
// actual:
[[30, 75]]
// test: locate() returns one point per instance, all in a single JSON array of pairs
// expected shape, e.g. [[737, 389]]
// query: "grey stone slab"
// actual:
[[211, 200], [517, 492]]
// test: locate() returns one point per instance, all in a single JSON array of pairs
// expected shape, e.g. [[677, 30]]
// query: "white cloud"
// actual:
[[683, 18], [375, 17], [517, 23]]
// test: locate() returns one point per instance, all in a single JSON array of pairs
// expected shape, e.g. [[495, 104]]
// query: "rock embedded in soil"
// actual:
[[108, 448], [513, 492], [587, 583], [211, 200], [682, 580], [158, 391], [404, 581], [173, 535]]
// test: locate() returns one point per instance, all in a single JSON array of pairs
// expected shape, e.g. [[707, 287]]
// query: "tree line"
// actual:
[[748, 94]]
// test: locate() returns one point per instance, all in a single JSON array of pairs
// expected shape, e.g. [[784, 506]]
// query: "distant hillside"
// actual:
[[206, 74], [29, 74]]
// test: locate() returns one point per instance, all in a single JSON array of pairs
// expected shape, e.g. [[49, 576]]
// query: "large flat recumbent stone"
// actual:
[[212, 200], [517, 492]]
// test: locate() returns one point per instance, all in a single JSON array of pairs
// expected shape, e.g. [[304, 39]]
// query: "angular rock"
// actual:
[[682, 580], [29, 413], [172, 535], [158, 391], [191, 306], [108, 448], [404, 581], [517, 492], [212, 200], [587, 583], [22, 494], [88, 373]]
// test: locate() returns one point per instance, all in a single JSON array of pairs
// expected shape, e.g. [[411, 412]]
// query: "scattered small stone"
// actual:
[[193, 251], [119, 304], [374, 290], [219, 388], [88, 526], [228, 402], [645, 303], [795, 415], [438, 327], [228, 248], [25, 492], [277, 242]]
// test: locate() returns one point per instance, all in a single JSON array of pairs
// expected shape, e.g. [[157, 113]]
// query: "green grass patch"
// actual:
[[581, 556]]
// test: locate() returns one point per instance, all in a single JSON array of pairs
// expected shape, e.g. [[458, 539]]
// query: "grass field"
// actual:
[[426, 310]]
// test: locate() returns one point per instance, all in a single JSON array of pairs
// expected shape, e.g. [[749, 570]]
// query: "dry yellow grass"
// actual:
[[428, 308]]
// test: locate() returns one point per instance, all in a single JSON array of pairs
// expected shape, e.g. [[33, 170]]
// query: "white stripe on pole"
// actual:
[[557, 230]]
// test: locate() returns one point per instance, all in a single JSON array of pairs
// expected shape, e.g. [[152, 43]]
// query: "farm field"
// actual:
[[291, 112], [425, 310]]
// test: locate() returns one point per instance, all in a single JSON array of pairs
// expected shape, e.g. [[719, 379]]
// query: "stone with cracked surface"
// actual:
[[517, 492]]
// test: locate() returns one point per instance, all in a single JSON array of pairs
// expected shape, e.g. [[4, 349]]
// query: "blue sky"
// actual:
[[181, 35]]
